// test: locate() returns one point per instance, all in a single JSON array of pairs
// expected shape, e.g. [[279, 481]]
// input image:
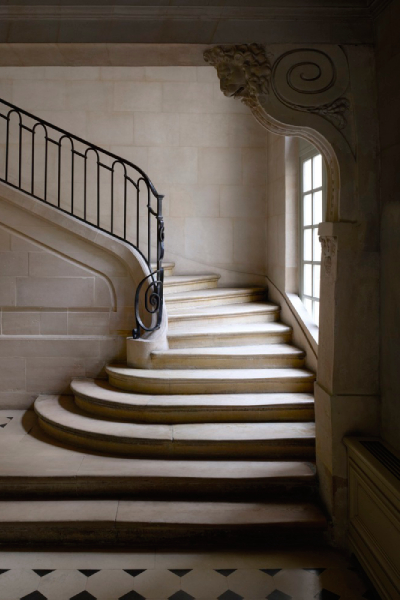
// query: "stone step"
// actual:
[[210, 381], [240, 334], [215, 297], [100, 398], [58, 474], [176, 284], [230, 357], [251, 312], [62, 419], [151, 523], [167, 266]]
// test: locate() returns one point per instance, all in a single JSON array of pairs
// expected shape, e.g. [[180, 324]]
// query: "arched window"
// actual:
[[312, 206]]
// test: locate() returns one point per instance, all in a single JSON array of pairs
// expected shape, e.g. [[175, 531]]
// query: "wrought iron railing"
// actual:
[[92, 185]]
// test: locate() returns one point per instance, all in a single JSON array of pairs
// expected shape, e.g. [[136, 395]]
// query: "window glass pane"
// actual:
[[315, 312], [308, 304], [307, 210], [307, 175], [316, 280], [317, 250], [307, 244], [307, 280], [317, 171], [317, 206]]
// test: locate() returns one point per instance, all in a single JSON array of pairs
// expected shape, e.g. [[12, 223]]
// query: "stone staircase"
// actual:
[[220, 428]]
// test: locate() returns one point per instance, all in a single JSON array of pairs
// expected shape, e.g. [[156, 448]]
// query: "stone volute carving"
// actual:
[[311, 80], [244, 70], [329, 255], [308, 81]]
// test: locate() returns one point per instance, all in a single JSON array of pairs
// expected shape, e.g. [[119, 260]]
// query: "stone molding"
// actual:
[[314, 11], [329, 256]]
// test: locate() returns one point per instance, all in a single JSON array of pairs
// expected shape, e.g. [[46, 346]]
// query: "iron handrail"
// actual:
[[153, 295]]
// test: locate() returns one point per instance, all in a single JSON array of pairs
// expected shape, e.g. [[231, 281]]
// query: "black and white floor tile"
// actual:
[[185, 584]]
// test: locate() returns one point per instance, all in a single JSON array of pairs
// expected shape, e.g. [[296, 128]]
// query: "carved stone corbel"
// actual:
[[303, 79], [329, 256], [244, 70]]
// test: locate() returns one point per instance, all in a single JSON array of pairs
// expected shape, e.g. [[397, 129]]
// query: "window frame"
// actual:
[[309, 152]]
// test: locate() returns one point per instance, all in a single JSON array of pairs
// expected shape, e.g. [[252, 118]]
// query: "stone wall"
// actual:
[[205, 152], [66, 299], [388, 65]]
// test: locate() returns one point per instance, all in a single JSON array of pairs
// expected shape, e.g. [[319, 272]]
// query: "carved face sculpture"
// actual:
[[243, 70], [232, 76]]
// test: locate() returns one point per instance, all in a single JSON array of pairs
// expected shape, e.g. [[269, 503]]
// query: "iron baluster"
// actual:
[[152, 284]]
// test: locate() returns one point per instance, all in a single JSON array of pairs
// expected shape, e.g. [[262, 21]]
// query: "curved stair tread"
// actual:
[[124, 372], [223, 310], [260, 356], [61, 414], [100, 398], [102, 392], [269, 350], [175, 284], [216, 293], [215, 381], [178, 279], [238, 328]]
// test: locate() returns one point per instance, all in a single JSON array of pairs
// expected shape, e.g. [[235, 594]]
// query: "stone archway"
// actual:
[[316, 92]]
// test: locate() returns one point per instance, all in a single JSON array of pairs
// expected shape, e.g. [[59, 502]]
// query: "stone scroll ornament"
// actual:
[[307, 80]]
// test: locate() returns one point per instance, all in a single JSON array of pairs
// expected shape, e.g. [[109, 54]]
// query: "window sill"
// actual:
[[310, 329]]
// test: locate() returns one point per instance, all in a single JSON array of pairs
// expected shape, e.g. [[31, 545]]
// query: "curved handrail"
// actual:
[[78, 139], [104, 205]]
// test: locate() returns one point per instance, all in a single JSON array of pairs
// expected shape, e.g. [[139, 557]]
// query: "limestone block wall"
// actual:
[[56, 321], [387, 65], [66, 300], [205, 152]]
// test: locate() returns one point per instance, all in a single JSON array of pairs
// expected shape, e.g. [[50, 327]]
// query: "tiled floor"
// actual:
[[209, 576]]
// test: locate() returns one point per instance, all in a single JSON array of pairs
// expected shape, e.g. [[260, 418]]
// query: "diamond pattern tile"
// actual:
[[187, 584], [83, 596], [278, 595], [132, 596], [181, 595], [229, 595], [5, 421], [180, 572], [134, 572], [34, 596]]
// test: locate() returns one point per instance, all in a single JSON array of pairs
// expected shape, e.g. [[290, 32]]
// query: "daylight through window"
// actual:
[[312, 206]]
